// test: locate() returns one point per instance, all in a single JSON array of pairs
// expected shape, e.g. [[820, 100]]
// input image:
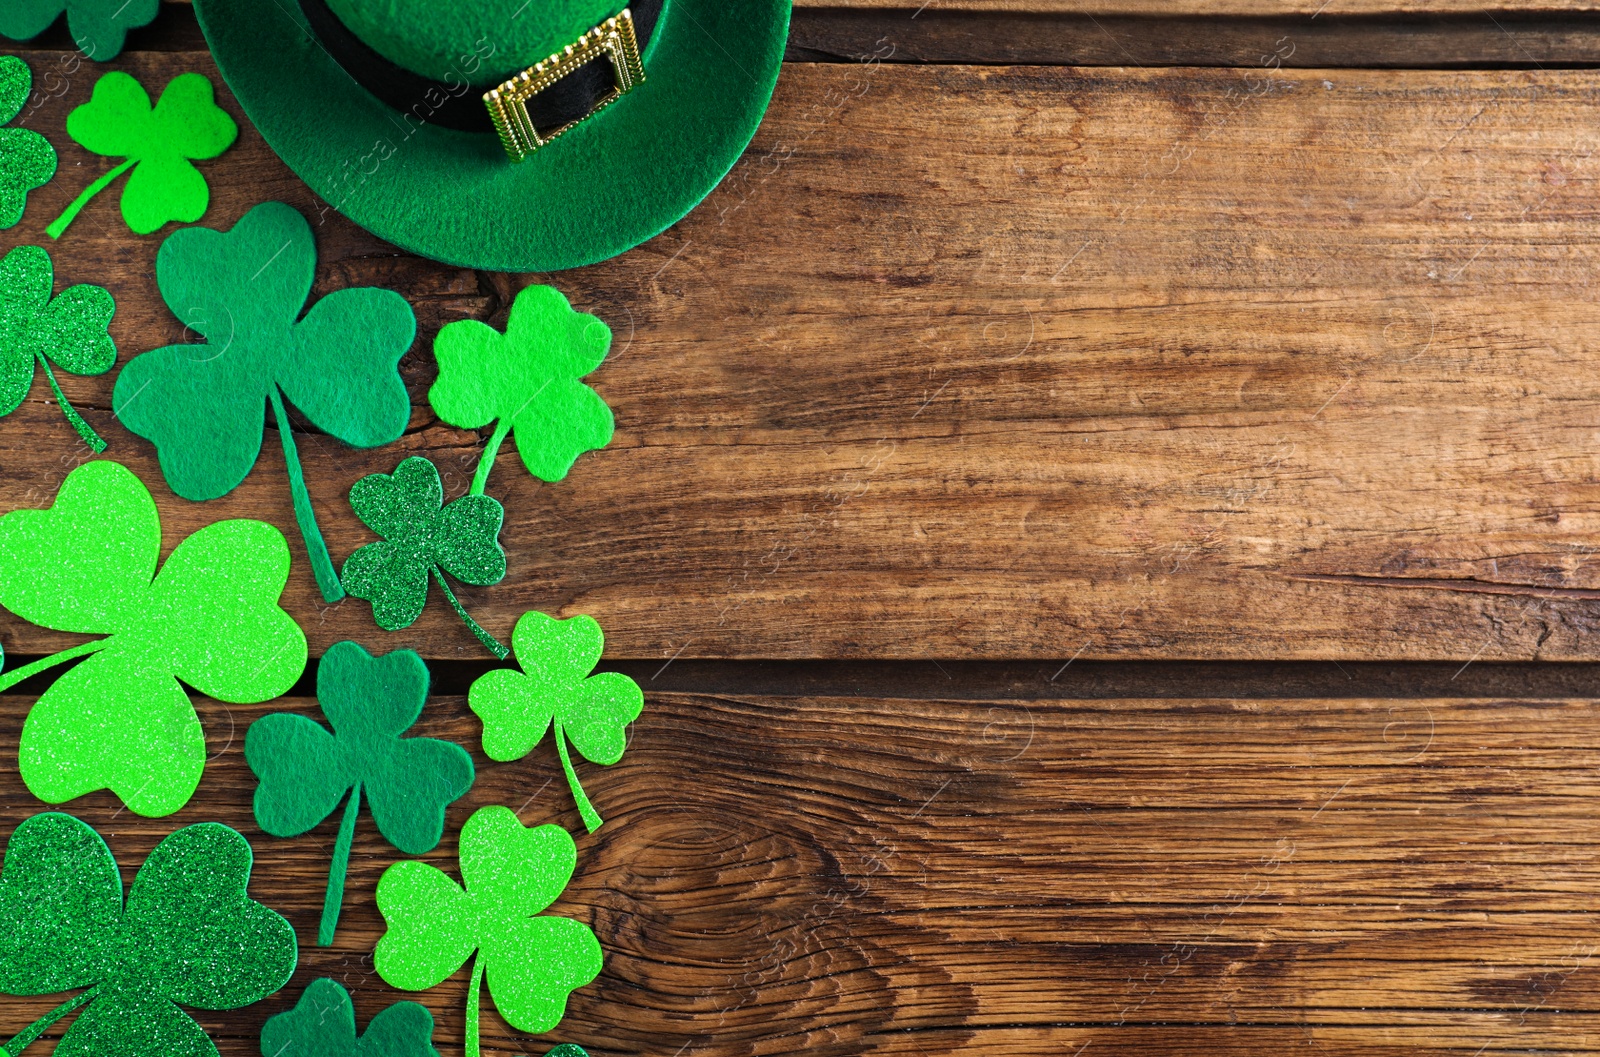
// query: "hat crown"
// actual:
[[482, 42]]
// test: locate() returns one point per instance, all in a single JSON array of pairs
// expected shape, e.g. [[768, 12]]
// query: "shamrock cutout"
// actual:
[[27, 160], [204, 405], [422, 536], [526, 380], [188, 935], [304, 770], [120, 720], [35, 329], [98, 26], [118, 122], [511, 873], [555, 688], [323, 1024]]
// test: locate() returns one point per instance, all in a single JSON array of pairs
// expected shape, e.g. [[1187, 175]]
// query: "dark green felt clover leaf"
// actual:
[[423, 536], [210, 617], [526, 380], [304, 771], [35, 329], [323, 1024], [511, 874], [204, 406], [555, 689], [27, 160], [187, 935], [163, 142], [98, 26]]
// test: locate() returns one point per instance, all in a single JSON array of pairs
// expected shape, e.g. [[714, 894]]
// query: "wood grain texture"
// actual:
[[1080, 39], [1021, 362], [844, 875]]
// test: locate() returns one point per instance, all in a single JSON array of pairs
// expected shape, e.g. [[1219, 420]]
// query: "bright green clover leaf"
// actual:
[[204, 405], [188, 934], [210, 617], [118, 122], [27, 160], [526, 380], [422, 536], [98, 26], [555, 688], [304, 770], [511, 873], [323, 1024], [35, 329]]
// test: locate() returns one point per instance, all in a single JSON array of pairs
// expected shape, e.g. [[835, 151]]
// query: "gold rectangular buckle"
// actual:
[[508, 103]]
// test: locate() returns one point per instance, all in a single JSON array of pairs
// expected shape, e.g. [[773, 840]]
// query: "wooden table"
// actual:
[[1105, 510]]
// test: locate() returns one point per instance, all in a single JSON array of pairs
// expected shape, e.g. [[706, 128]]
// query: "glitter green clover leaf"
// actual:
[[27, 161], [160, 144], [210, 616], [304, 770], [423, 536], [98, 27], [35, 328], [203, 406], [510, 874], [554, 692], [188, 934]]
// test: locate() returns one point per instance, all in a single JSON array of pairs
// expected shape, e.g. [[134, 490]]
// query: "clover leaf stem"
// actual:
[[16, 675], [321, 563], [591, 817], [480, 479], [86, 432], [25, 1037], [59, 224], [473, 990], [490, 643], [334, 897]]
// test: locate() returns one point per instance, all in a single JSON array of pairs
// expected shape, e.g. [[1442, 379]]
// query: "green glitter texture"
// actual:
[[27, 160], [323, 1024], [36, 328], [554, 688], [188, 935], [158, 144], [511, 873], [305, 771], [204, 406], [120, 720], [526, 380], [422, 537]]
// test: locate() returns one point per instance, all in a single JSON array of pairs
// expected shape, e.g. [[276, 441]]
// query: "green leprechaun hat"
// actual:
[[509, 135]]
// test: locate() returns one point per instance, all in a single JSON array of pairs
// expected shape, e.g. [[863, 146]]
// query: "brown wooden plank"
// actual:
[[845, 875], [1073, 39], [1018, 362]]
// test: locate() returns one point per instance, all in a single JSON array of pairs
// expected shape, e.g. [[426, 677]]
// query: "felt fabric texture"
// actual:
[[323, 1024], [210, 617], [433, 39], [159, 144], [527, 381], [189, 934], [422, 536], [243, 290], [35, 329], [615, 180], [511, 874], [555, 690], [27, 160], [304, 771], [98, 27]]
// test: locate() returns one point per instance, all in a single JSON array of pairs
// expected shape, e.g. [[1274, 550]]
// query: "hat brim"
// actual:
[[616, 179]]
